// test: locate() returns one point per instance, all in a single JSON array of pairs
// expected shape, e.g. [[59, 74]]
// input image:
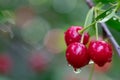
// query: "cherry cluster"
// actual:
[[80, 54]]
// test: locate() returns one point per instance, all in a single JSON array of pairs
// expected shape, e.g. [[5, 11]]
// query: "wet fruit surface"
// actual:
[[76, 55], [72, 35], [100, 52]]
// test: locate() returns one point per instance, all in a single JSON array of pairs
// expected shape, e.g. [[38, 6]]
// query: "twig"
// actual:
[[89, 3], [107, 31]]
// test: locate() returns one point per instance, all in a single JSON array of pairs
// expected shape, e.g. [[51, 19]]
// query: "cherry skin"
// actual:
[[72, 35], [100, 52], [76, 55]]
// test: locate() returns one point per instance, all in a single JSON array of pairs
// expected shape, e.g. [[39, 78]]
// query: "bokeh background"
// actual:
[[32, 33]]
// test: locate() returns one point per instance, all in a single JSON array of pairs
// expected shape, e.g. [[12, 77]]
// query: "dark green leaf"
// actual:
[[105, 14], [108, 17], [114, 24], [105, 1]]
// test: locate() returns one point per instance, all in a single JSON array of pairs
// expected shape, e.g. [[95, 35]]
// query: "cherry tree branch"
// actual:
[[107, 31], [89, 3]]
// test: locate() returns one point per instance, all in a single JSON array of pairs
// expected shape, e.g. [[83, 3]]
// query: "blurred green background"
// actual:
[[36, 27]]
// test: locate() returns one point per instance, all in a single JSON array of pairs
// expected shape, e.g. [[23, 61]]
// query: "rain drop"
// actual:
[[91, 62], [77, 71], [114, 18], [107, 13], [69, 65]]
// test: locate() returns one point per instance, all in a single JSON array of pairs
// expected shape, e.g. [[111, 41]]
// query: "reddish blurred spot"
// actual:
[[24, 14], [105, 68], [38, 62], [5, 64]]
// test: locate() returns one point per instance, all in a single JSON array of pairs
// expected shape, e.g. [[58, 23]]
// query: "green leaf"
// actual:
[[105, 1], [91, 31], [114, 24], [106, 15], [89, 17]]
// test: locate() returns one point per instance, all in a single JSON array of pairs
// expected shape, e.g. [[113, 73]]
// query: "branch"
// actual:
[[107, 31], [89, 3]]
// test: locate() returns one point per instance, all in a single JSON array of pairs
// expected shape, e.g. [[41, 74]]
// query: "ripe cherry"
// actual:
[[72, 35], [5, 64], [76, 55], [100, 52]]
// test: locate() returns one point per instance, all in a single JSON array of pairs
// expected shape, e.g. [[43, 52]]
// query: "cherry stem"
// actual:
[[105, 28], [96, 24], [82, 38], [96, 27], [91, 73]]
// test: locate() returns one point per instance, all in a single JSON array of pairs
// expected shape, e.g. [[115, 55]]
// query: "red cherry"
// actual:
[[5, 64], [76, 55], [38, 62], [100, 52], [72, 35]]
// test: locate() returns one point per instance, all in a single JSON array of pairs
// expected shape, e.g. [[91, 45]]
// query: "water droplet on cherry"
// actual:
[[77, 71], [91, 62], [69, 65]]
